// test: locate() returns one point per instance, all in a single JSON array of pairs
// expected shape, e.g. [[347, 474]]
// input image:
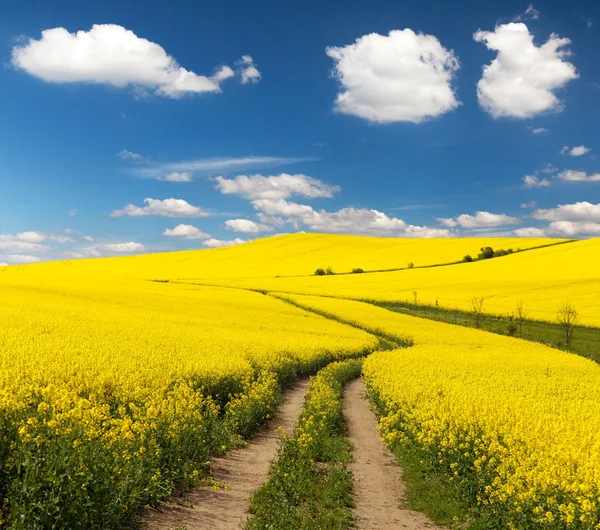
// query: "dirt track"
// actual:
[[378, 485], [242, 471]]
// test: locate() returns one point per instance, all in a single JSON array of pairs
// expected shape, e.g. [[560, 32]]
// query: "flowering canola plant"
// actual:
[[543, 278], [113, 392], [515, 424]]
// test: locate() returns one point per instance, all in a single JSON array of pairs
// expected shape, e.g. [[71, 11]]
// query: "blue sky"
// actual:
[[162, 127]]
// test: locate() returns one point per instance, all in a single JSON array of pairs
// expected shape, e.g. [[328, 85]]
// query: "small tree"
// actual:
[[329, 271], [357, 270], [521, 315], [477, 304], [568, 317], [486, 253], [410, 265], [320, 272], [468, 258]]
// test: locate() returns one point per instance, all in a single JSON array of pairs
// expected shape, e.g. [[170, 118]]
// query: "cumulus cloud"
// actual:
[[448, 222], [579, 150], [532, 181], [280, 186], [186, 232], [404, 76], [577, 176], [177, 177], [529, 231], [246, 226], [121, 248], [521, 81], [538, 130], [347, 220], [528, 205], [23, 241], [579, 211], [248, 71], [215, 243], [480, 220], [113, 55], [166, 208], [62, 239]]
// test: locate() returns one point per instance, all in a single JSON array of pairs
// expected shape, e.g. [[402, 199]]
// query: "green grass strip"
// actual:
[[310, 484]]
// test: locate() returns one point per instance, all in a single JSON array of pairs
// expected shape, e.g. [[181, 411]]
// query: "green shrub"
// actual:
[[357, 271]]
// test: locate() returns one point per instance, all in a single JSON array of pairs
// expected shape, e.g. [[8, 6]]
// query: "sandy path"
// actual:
[[242, 471], [378, 485]]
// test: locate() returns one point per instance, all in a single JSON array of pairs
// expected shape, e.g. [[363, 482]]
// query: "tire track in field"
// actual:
[[378, 485], [240, 473]]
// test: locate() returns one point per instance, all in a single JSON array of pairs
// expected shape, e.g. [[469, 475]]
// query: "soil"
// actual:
[[239, 474], [378, 486]]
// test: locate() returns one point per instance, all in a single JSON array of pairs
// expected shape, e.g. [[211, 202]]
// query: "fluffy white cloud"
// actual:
[[177, 177], [573, 228], [246, 226], [111, 54], [485, 220], [248, 71], [23, 241], [404, 76], [578, 150], [448, 222], [577, 176], [539, 130], [521, 80], [529, 231], [62, 239], [579, 211], [532, 181], [275, 187], [166, 208], [121, 248], [215, 243], [128, 155], [347, 220], [31, 237], [186, 232]]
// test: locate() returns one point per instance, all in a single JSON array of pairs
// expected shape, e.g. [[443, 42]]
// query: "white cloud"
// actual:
[[529, 231], [531, 181], [128, 155], [211, 165], [485, 220], [521, 80], [579, 211], [577, 176], [110, 54], [166, 208], [574, 228], [448, 222], [72, 212], [248, 71], [121, 248], [31, 237], [215, 243], [186, 232], [579, 150], [22, 258], [275, 187], [9, 243], [347, 220], [538, 130], [177, 177], [404, 76], [3, 264], [530, 13], [528, 205], [62, 239], [87, 238], [246, 226]]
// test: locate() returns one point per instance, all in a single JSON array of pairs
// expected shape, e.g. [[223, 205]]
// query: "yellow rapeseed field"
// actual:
[[110, 390], [543, 278], [515, 423], [287, 255]]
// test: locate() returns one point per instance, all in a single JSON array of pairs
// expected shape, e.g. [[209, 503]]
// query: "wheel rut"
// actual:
[[239, 473], [378, 485]]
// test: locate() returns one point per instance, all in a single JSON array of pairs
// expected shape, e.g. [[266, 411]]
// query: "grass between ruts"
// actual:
[[310, 485]]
